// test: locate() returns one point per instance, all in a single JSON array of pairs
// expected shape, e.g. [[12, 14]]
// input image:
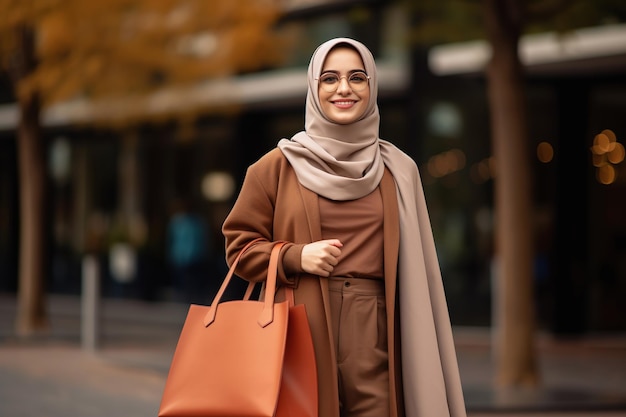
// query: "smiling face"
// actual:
[[345, 105]]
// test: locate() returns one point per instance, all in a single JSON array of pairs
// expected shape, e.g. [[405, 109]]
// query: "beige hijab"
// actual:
[[339, 162], [344, 162]]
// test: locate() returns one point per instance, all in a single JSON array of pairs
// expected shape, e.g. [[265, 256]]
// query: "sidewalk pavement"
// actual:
[[50, 375]]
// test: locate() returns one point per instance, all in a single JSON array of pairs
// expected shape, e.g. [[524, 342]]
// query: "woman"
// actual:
[[360, 252]]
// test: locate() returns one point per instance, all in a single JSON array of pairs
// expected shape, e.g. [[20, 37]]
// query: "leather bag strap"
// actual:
[[289, 296], [266, 316]]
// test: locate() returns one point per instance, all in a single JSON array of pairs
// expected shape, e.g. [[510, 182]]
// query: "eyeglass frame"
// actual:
[[367, 77]]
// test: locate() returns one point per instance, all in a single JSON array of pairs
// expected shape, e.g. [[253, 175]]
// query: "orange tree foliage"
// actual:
[[127, 48], [113, 62]]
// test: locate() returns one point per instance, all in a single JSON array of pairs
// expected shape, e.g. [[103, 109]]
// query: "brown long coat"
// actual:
[[272, 204]]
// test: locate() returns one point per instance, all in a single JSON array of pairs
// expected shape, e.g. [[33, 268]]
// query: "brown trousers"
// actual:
[[359, 323]]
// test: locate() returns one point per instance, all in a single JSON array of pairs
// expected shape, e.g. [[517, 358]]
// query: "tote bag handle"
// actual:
[[267, 314]]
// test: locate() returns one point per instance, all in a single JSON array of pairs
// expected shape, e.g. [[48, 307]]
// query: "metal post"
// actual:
[[90, 314]]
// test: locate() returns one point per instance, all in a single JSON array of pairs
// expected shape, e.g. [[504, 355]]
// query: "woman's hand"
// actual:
[[320, 258]]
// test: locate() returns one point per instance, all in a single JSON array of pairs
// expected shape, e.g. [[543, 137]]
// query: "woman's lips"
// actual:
[[344, 104]]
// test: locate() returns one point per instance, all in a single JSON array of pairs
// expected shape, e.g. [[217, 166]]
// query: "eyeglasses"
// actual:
[[329, 81]]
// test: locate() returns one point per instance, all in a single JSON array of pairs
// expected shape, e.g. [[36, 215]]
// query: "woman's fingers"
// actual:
[[320, 257]]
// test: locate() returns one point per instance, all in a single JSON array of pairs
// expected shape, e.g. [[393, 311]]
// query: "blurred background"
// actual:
[[126, 128]]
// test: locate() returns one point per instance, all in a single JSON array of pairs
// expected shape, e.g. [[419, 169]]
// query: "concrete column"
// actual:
[[90, 304]]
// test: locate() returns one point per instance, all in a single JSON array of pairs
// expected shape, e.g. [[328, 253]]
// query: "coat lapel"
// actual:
[[310, 201], [391, 236]]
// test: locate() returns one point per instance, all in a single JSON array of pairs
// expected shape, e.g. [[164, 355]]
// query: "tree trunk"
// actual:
[[31, 315], [514, 311], [31, 312]]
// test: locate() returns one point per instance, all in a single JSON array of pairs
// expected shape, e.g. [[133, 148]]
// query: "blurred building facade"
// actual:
[[115, 190]]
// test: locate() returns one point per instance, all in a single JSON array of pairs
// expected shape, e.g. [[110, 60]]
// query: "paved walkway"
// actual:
[[51, 376]]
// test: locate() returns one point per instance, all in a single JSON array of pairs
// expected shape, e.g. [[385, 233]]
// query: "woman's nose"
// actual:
[[344, 86]]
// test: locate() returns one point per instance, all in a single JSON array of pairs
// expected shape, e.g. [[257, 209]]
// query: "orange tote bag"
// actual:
[[298, 389], [232, 359]]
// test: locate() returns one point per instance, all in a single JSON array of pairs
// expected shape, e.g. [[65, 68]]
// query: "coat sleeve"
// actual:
[[252, 217]]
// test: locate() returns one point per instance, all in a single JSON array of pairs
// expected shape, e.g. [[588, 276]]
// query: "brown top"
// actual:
[[358, 224]]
